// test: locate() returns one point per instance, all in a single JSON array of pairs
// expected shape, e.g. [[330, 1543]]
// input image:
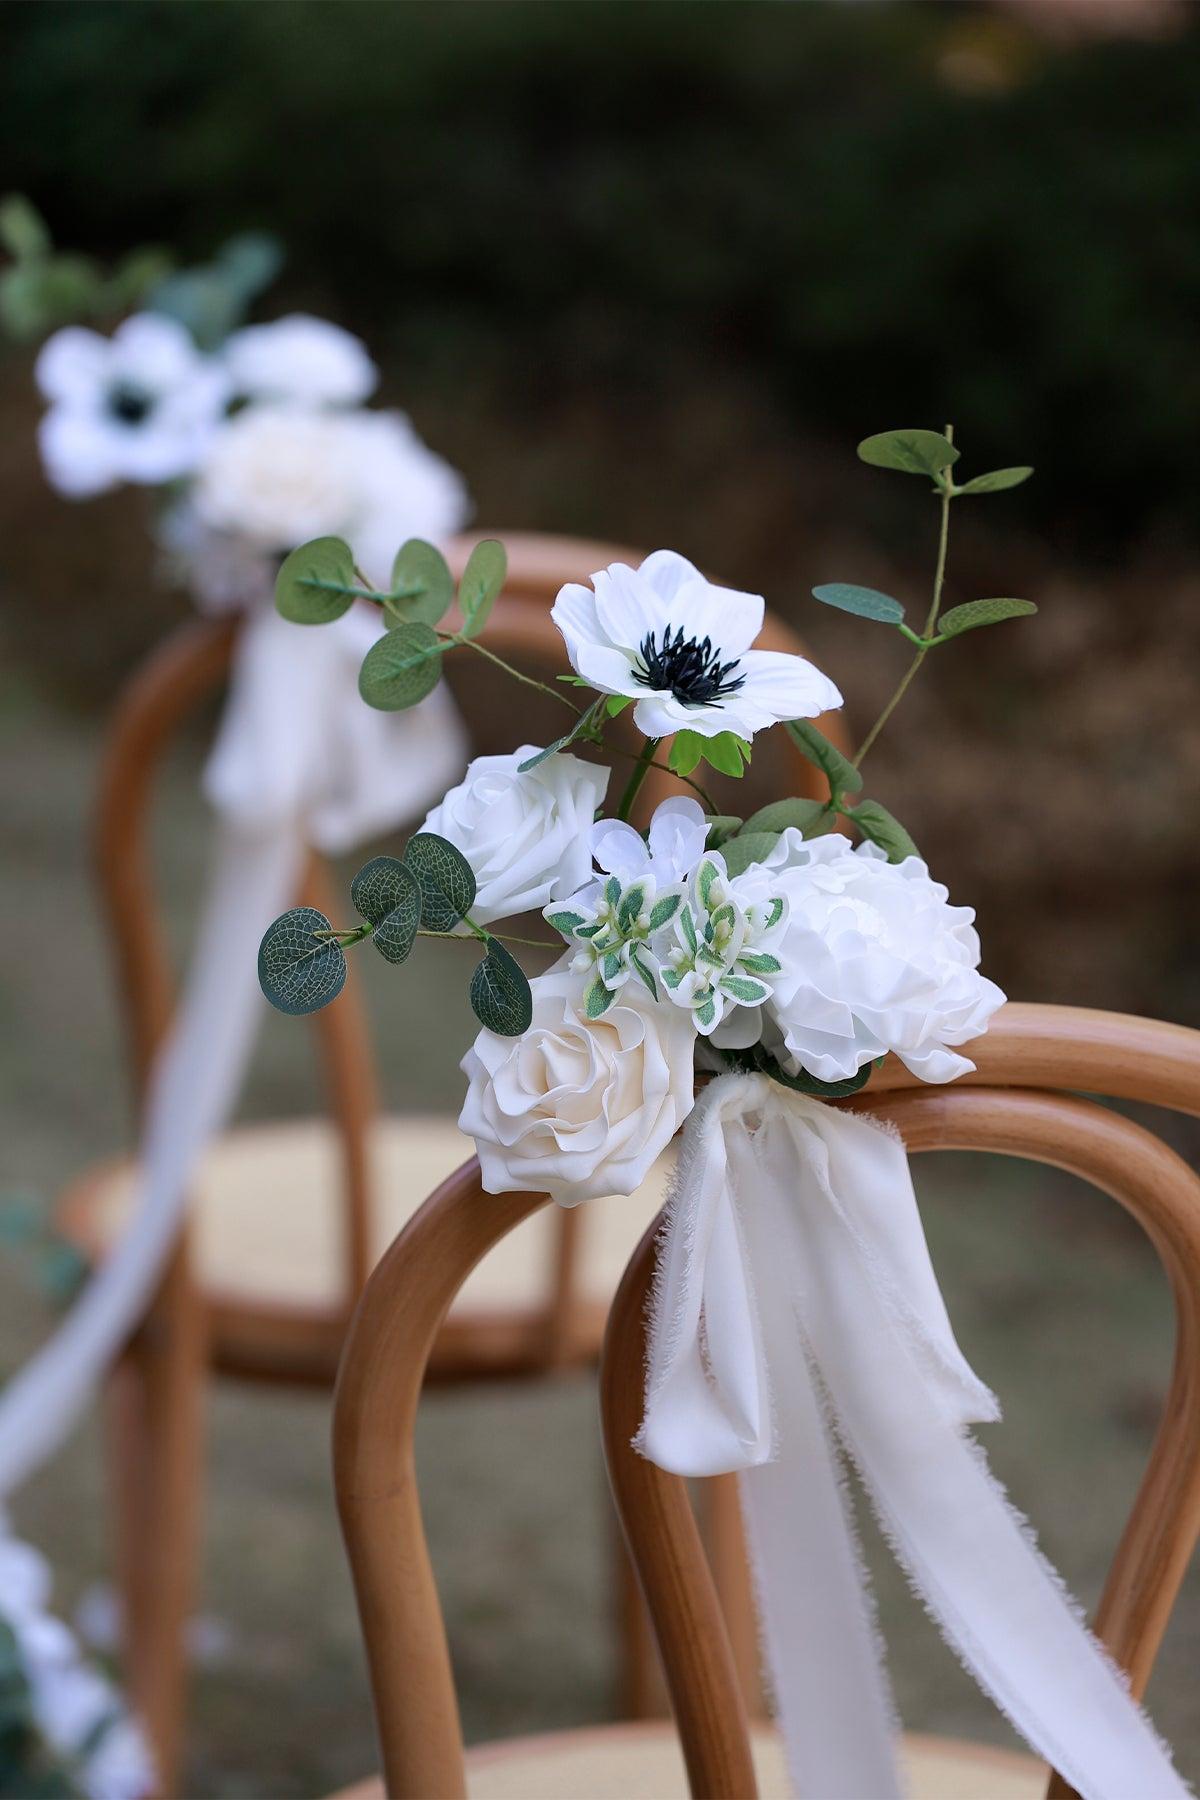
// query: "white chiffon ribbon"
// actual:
[[299, 760], [796, 1310]]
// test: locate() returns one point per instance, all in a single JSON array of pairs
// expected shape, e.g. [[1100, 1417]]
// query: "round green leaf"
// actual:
[[388, 894], [912, 452], [297, 971], [401, 667], [868, 603], [982, 612], [500, 993], [998, 479], [446, 878], [312, 586], [813, 817], [748, 847], [482, 580], [422, 586]]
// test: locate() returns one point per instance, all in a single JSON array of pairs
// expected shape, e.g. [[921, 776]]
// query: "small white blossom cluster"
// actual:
[[264, 443], [75, 1712], [821, 958]]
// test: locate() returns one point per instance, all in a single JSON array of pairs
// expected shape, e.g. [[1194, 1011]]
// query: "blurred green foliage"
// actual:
[[842, 203]]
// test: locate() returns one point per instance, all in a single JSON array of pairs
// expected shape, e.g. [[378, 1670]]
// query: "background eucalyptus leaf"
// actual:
[[298, 972], [838, 770], [446, 878], [813, 817], [913, 452], [310, 588], [401, 667], [974, 613], [748, 847], [879, 826], [422, 585], [482, 580], [501, 997], [998, 479], [868, 603]]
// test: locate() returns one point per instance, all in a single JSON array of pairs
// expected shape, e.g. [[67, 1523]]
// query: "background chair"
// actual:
[[1017, 1103], [289, 1217]]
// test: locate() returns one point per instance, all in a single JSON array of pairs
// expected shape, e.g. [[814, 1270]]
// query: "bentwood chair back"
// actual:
[[1023, 1100], [254, 1307]]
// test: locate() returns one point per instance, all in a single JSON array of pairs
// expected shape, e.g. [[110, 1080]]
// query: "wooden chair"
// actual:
[[246, 1295], [1022, 1101]]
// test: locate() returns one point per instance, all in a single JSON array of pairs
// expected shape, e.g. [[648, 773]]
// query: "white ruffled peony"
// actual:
[[578, 1108], [299, 360], [681, 647], [140, 406], [278, 475], [526, 836], [875, 959]]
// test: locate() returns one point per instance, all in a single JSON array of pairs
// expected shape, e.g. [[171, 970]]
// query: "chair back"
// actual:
[[174, 682], [1021, 1101]]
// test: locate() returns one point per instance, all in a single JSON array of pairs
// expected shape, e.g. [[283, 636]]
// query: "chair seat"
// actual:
[[268, 1217], [644, 1762]]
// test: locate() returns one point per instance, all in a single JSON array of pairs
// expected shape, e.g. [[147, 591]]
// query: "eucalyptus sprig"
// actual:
[[427, 893]]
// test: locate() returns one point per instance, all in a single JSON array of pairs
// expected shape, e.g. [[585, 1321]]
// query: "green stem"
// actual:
[[529, 680], [633, 787], [632, 755], [939, 576]]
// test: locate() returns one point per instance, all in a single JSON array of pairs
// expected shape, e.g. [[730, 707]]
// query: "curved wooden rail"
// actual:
[[1056, 1049]]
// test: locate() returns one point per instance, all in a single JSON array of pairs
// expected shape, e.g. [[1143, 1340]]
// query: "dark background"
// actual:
[[648, 272]]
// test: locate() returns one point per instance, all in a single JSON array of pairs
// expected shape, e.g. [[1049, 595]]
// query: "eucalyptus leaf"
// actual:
[[998, 479], [878, 825], [913, 452], [501, 997], [23, 231], [758, 1061], [446, 878], [813, 817], [315, 583], [401, 667], [974, 613], [482, 580], [298, 971], [748, 847], [868, 603], [422, 585], [388, 895], [838, 770]]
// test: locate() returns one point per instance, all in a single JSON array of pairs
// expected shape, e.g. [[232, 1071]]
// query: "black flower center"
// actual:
[[690, 668], [129, 403]]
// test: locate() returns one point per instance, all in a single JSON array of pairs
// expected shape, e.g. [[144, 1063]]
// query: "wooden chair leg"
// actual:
[[726, 1541], [642, 1691], [156, 1412]]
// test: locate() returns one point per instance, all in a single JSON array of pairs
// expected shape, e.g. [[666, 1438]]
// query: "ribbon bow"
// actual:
[[795, 1310]]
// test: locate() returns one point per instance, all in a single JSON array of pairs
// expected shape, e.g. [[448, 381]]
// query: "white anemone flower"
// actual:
[[302, 360], [681, 647], [141, 406]]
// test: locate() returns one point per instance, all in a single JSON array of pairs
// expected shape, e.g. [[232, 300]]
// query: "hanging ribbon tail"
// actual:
[[192, 1092], [796, 1310]]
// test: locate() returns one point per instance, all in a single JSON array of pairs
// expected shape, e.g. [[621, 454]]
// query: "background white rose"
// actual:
[[874, 959], [578, 1108], [527, 837], [299, 359]]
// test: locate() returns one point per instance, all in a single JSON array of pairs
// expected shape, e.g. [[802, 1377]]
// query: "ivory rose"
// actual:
[[528, 837], [576, 1108]]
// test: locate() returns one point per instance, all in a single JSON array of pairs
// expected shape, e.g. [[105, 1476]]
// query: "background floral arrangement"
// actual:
[[769, 943], [252, 435]]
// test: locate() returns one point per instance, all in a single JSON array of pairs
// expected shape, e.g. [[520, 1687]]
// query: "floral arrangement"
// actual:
[[253, 435], [773, 943], [63, 1730]]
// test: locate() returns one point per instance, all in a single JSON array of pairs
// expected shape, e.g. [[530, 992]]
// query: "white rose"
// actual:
[[302, 359], [527, 837], [578, 1108], [874, 960]]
